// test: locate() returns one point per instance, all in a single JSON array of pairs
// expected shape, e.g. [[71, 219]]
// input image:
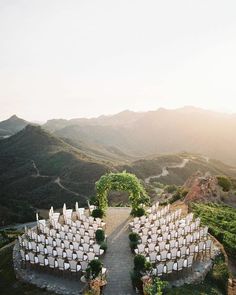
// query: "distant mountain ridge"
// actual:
[[12, 125], [155, 132], [139, 134]]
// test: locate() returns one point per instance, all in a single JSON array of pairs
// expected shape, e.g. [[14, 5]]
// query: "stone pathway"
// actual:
[[118, 259]]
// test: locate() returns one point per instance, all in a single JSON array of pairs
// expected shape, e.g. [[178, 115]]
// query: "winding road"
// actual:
[[165, 171], [57, 181]]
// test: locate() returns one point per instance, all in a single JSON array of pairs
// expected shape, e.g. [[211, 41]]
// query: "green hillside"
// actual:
[[31, 163]]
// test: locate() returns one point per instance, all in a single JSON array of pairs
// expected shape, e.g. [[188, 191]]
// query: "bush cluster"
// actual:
[[138, 212], [225, 183], [133, 240]]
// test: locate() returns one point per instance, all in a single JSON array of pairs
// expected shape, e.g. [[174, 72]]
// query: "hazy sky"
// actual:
[[86, 58]]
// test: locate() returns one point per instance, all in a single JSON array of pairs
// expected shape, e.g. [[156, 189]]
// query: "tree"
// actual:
[[224, 182]]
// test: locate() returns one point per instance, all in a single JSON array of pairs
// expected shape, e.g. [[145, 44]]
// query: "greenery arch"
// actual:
[[122, 181]]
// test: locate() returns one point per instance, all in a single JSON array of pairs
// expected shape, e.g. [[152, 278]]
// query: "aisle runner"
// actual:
[[118, 259]]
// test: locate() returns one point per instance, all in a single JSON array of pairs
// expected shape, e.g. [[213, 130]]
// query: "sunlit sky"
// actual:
[[66, 59]]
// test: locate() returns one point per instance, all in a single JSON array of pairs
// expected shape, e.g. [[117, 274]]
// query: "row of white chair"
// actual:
[[163, 254]]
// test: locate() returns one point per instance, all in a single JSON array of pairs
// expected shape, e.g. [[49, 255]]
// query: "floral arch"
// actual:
[[122, 181]]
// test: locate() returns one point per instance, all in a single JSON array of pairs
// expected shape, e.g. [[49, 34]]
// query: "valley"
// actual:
[[39, 167]]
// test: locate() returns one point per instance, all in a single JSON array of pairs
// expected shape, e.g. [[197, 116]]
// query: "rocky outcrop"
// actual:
[[202, 188]]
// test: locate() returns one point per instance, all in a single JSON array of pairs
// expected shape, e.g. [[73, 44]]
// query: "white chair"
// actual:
[[49, 250], [73, 266], [188, 239], [165, 236], [41, 248], [186, 229], [34, 246], [160, 269], [50, 241], [67, 244], [207, 245], [144, 239], [91, 256], [31, 257], [22, 253], [140, 249], [200, 246], [145, 231], [85, 247], [151, 247], [66, 228], [70, 236], [180, 264], [86, 225], [53, 232], [191, 249], [172, 244], [73, 230], [58, 242], [59, 252], [78, 223], [154, 238], [169, 267], [41, 259], [173, 253], [162, 246], [60, 262], [51, 262], [78, 238], [82, 231], [163, 255], [91, 233], [86, 239], [190, 261], [152, 257], [183, 250], [97, 250], [205, 231], [84, 265], [80, 255], [62, 235], [75, 245]]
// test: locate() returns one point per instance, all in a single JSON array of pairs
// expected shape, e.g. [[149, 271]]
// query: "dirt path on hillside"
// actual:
[[57, 181], [165, 171]]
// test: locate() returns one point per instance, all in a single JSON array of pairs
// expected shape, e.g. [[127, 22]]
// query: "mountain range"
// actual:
[[155, 132], [61, 160]]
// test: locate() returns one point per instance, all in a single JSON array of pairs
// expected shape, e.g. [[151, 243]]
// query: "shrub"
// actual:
[[98, 213], [219, 274], [134, 239], [156, 287], [93, 201], [103, 246], [136, 280], [100, 236], [224, 182], [139, 263], [138, 212], [94, 268], [140, 267], [171, 188]]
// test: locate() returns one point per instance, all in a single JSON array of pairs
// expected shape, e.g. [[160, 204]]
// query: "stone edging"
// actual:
[[37, 279]]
